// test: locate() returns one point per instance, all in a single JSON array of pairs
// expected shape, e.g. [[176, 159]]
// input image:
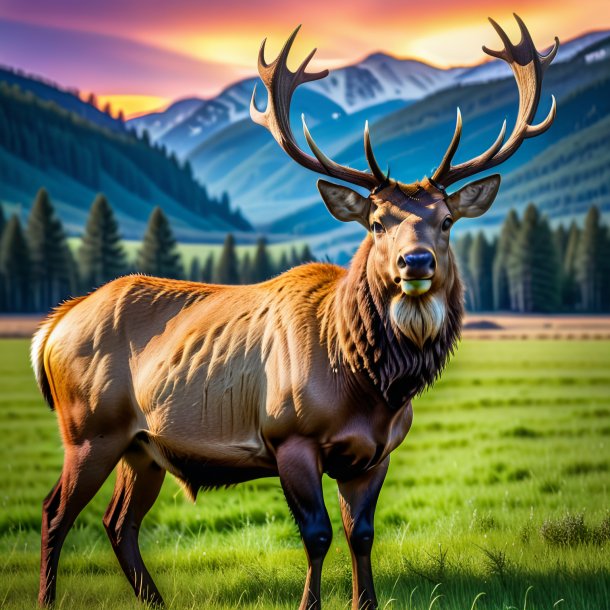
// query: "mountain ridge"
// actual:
[[377, 78]]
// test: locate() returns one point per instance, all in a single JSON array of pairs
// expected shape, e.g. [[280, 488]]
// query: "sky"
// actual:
[[140, 55]]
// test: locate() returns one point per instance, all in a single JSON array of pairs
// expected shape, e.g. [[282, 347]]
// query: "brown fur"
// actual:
[[208, 381]]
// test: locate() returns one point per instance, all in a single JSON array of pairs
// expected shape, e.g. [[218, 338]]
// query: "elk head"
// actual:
[[409, 223]]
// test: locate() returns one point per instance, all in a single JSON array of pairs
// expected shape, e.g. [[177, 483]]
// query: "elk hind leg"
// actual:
[[86, 466], [138, 483]]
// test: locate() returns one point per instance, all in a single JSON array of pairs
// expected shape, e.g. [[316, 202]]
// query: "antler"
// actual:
[[281, 83], [528, 67]]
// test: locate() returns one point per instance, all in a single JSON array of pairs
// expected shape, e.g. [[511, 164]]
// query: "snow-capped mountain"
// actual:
[[159, 123], [380, 78], [188, 123]]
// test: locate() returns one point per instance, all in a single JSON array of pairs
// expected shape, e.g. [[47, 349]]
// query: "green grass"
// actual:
[[190, 251], [502, 487]]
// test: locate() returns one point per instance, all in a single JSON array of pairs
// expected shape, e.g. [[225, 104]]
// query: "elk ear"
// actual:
[[475, 198], [344, 204]]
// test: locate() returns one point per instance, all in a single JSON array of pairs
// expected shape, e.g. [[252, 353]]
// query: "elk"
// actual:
[[311, 372]]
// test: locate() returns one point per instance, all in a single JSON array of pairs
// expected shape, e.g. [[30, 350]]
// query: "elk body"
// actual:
[[311, 372]]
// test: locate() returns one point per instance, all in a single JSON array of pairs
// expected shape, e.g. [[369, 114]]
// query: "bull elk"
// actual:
[[308, 373]]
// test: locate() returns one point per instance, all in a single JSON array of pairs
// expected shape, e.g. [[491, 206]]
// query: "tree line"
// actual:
[[530, 267], [51, 138], [38, 268]]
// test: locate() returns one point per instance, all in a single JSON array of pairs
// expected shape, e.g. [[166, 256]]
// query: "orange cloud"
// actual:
[[171, 50]]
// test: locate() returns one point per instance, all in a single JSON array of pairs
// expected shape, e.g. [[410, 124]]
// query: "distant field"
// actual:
[[488, 326], [501, 490], [189, 251]]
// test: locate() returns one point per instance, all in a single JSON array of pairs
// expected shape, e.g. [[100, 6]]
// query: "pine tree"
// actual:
[[15, 267], [245, 268], [570, 296], [159, 254], [2, 287], [480, 268], [605, 270], [560, 238], [227, 269], [462, 254], [306, 255], [195, 270], [503, 292], [102, 256], [294, 257], [283, 264], [261, 267], [207, 273], [2, 220], [590, 266], [50, 270], [535, 265]]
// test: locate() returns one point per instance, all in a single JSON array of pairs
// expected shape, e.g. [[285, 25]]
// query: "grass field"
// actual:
[[499, 498], [201, 251]]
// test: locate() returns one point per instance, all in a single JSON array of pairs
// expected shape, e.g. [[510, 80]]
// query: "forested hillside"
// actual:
[[43, 144], [68, 99]]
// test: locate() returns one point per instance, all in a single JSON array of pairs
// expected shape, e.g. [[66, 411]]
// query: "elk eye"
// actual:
[[377, 228], [447, 224]]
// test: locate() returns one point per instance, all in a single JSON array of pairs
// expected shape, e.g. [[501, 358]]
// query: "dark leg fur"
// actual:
[[300, 475], [138, 484], [86, 467], [358, 499]]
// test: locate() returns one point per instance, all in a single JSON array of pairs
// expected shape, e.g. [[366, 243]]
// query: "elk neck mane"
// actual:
[[401, 351]]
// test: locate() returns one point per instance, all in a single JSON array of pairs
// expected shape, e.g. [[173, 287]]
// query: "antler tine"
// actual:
[[281, 83], [508, 45], [453, 146], [327, 162], [261, 56], [545, 60], [370, 156], [528, 67], [535, 130]]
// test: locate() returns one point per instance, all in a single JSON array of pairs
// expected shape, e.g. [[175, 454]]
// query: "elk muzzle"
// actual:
[[416, 271]]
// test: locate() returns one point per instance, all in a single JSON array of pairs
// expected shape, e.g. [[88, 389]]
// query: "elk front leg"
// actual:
[[300, 474], [358, 498]]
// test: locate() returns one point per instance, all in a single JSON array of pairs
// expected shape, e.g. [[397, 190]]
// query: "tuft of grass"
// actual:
[[570, 530], [580, 468], [522, 432], [497, 563]]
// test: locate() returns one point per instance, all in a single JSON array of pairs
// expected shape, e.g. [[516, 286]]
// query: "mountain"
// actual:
[[188, 123], [376, 80], [43, 144], [411, 109], [159, 123], [67, 99]]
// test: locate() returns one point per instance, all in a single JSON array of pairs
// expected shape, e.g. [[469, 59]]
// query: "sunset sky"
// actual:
[[140, 55]]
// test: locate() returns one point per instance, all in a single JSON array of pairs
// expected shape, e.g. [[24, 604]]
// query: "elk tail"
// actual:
[[39, 343]]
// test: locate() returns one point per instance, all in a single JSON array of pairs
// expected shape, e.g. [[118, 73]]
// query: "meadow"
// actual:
[[498, 499]]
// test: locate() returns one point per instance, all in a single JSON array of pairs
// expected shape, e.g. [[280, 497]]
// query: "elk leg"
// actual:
[[138, 483], [301, 478], [86, 467], [358, 498]]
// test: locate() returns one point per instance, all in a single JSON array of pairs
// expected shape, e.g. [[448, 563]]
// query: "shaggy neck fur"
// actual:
[[401, 343]]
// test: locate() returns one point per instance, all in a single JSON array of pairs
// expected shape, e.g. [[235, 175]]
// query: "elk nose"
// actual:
[[419, 263]]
